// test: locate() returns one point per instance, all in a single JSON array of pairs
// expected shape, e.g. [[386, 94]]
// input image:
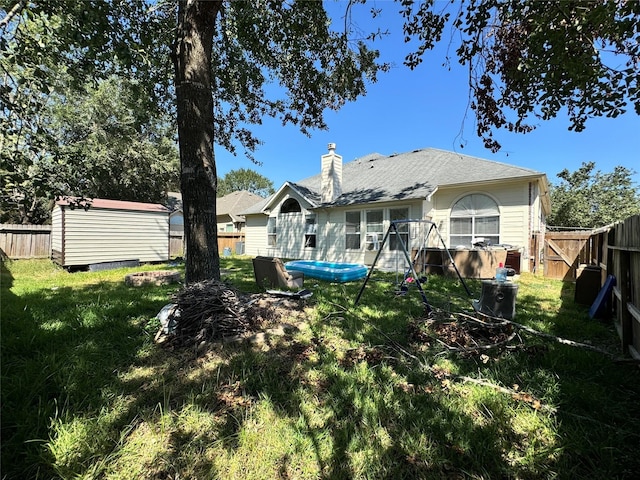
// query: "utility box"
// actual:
[[587, 284], [105, 231], [497, 299]]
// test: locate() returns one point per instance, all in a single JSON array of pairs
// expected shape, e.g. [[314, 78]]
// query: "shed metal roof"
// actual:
[[119, 205]]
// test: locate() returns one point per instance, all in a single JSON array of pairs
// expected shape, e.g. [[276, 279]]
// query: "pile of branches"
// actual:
[[212, 310], [459, 332], [463, 333]]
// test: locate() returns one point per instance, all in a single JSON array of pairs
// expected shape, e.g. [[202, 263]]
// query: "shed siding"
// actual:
[[56, 233], [105, 235]]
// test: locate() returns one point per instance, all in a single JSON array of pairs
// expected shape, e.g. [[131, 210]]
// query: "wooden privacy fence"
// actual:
[[176, 241], [564, 252], [25, 241], [225, 240], [34, 241], [621, 247], [615, 250]]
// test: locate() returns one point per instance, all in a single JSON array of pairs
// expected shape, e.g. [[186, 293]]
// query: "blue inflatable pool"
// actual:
[[330, 271]]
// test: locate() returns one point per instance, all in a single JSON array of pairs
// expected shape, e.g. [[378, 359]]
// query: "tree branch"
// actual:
[[17, 8]]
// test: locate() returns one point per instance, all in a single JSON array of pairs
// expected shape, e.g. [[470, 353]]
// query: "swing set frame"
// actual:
[[393, 228]]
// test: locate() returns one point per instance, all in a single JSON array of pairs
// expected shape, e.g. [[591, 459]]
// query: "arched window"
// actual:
[[290, 205], [474, 218]]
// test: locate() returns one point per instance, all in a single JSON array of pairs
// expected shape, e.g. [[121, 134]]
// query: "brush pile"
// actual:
[[212, 310], [462, 333]]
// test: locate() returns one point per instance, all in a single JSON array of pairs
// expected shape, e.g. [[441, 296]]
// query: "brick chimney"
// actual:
[[331, 183]]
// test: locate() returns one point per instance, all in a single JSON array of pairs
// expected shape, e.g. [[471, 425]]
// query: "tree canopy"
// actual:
[[51, 70], [589, 198], [102, 143], [245, 179], [528, 60]]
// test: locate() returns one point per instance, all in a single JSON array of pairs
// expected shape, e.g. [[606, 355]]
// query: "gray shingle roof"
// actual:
[[235, 203], [417, 174]]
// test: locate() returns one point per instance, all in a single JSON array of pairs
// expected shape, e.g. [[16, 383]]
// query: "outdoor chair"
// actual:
[[270, 272]]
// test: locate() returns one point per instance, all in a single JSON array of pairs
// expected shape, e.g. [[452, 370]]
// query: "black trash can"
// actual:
[[587, 284], [497, 299]]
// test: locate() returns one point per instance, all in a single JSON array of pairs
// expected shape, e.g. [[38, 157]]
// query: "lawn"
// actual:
[[370, 391]]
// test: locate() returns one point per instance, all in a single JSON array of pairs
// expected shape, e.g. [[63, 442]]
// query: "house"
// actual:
[[176, 217], [108, 231], [228, 210], [343, 213]]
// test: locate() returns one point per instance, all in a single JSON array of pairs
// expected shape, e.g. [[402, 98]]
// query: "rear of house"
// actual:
[[101, 231], [343, 213]]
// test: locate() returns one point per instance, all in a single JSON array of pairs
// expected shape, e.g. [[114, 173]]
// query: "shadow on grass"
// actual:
[[345, 399], [62, 350]]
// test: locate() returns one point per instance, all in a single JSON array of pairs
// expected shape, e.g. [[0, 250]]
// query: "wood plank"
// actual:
[[625, 249], [559, 251], [616, 292]]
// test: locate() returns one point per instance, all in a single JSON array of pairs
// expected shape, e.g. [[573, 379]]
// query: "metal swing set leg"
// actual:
[[393, 228]]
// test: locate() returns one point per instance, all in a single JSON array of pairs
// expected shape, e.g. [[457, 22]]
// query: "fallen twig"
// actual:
[[515, 394], [549, 336], [439, 373]]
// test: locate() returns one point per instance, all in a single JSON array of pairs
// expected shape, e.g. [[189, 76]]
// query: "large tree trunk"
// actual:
[[198, 179]]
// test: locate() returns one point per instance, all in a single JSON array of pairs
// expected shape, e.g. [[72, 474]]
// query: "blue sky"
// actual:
[[427, 107]]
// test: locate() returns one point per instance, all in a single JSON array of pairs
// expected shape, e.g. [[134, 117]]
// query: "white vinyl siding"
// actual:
[[255, 239], [100, 235], [335, 225], [56, 230]]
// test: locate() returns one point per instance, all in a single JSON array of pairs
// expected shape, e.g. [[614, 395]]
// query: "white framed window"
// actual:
[[352, 231], [310, 230], [374, 229], [403, 228], [271, 232], [474, 218]]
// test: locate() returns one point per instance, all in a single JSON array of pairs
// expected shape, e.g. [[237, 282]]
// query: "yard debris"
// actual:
[[461, 333], [213, 310], [168, 317]]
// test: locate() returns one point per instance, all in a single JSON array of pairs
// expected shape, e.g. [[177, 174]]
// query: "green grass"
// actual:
[[87, 394]]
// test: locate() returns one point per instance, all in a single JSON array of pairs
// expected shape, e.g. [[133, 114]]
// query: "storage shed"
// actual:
[[102, 231]]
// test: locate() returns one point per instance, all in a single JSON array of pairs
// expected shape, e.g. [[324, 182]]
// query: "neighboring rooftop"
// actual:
[[235, 203]]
